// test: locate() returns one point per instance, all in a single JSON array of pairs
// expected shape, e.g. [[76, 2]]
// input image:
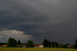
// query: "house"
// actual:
[[4, 46], [22, 45], [40, 45], [69, 46]]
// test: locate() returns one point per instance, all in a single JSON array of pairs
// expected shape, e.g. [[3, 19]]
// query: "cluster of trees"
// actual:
[[30, 43], [46, 43], [13, 43]]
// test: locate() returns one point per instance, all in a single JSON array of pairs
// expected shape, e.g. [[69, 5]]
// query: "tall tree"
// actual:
[[46, 43], [75, 45], [18, 42], [76, 41], [30, 43], [12, 42]]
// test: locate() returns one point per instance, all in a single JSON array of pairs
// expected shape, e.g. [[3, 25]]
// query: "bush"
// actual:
[[75, 45]]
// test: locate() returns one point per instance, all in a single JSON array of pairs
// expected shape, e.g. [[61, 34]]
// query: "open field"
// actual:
[[36, 49]]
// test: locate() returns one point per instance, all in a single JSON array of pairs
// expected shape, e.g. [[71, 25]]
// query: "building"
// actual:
[[22, 45], [69, 46], [4, 46], [38, 46]]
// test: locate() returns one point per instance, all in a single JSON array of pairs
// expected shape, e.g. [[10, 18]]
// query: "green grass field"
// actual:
[[36, 49]]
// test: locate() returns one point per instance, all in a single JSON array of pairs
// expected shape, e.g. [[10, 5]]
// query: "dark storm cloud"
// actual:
[[52, 19]]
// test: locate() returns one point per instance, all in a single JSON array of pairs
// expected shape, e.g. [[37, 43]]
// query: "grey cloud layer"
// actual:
[[52, 19], [14, 34]]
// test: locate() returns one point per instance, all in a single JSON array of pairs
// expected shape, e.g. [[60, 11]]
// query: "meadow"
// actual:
[[36, 49]]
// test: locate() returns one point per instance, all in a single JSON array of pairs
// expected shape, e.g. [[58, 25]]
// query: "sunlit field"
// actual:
[[36, 49]]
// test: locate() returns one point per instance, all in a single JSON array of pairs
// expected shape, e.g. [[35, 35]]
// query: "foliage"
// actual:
[[2, 44], [12, 42], [54, 44], [46, 43], [75, 45], [76, 41], [30, 43], [18, 42], [65, 45]]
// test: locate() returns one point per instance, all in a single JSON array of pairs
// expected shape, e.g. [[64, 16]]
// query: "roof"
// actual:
[[38, 44]]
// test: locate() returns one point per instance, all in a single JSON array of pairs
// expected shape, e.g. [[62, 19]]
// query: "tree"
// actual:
[[46, 43], [65, 45], [30, 43], [12, 42], [54, 44], [75, 45], [76, 41], [49, 44], [19, 42]]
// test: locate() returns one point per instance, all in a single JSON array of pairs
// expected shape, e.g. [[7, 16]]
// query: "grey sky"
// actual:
[[55, 20]]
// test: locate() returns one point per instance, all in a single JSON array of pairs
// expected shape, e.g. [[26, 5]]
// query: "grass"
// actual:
[[36, 49]]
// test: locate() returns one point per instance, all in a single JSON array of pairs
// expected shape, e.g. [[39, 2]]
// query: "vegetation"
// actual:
[[46, 44], [54, 44], [18, 42], [65, 45], [30, 43], [3, 43], [75, 45], [12, 42]]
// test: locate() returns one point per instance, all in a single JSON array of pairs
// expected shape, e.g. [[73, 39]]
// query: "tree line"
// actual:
[[12, 43], [46, 43]]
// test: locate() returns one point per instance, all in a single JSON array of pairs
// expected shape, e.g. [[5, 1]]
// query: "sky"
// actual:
[[37, 20]]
